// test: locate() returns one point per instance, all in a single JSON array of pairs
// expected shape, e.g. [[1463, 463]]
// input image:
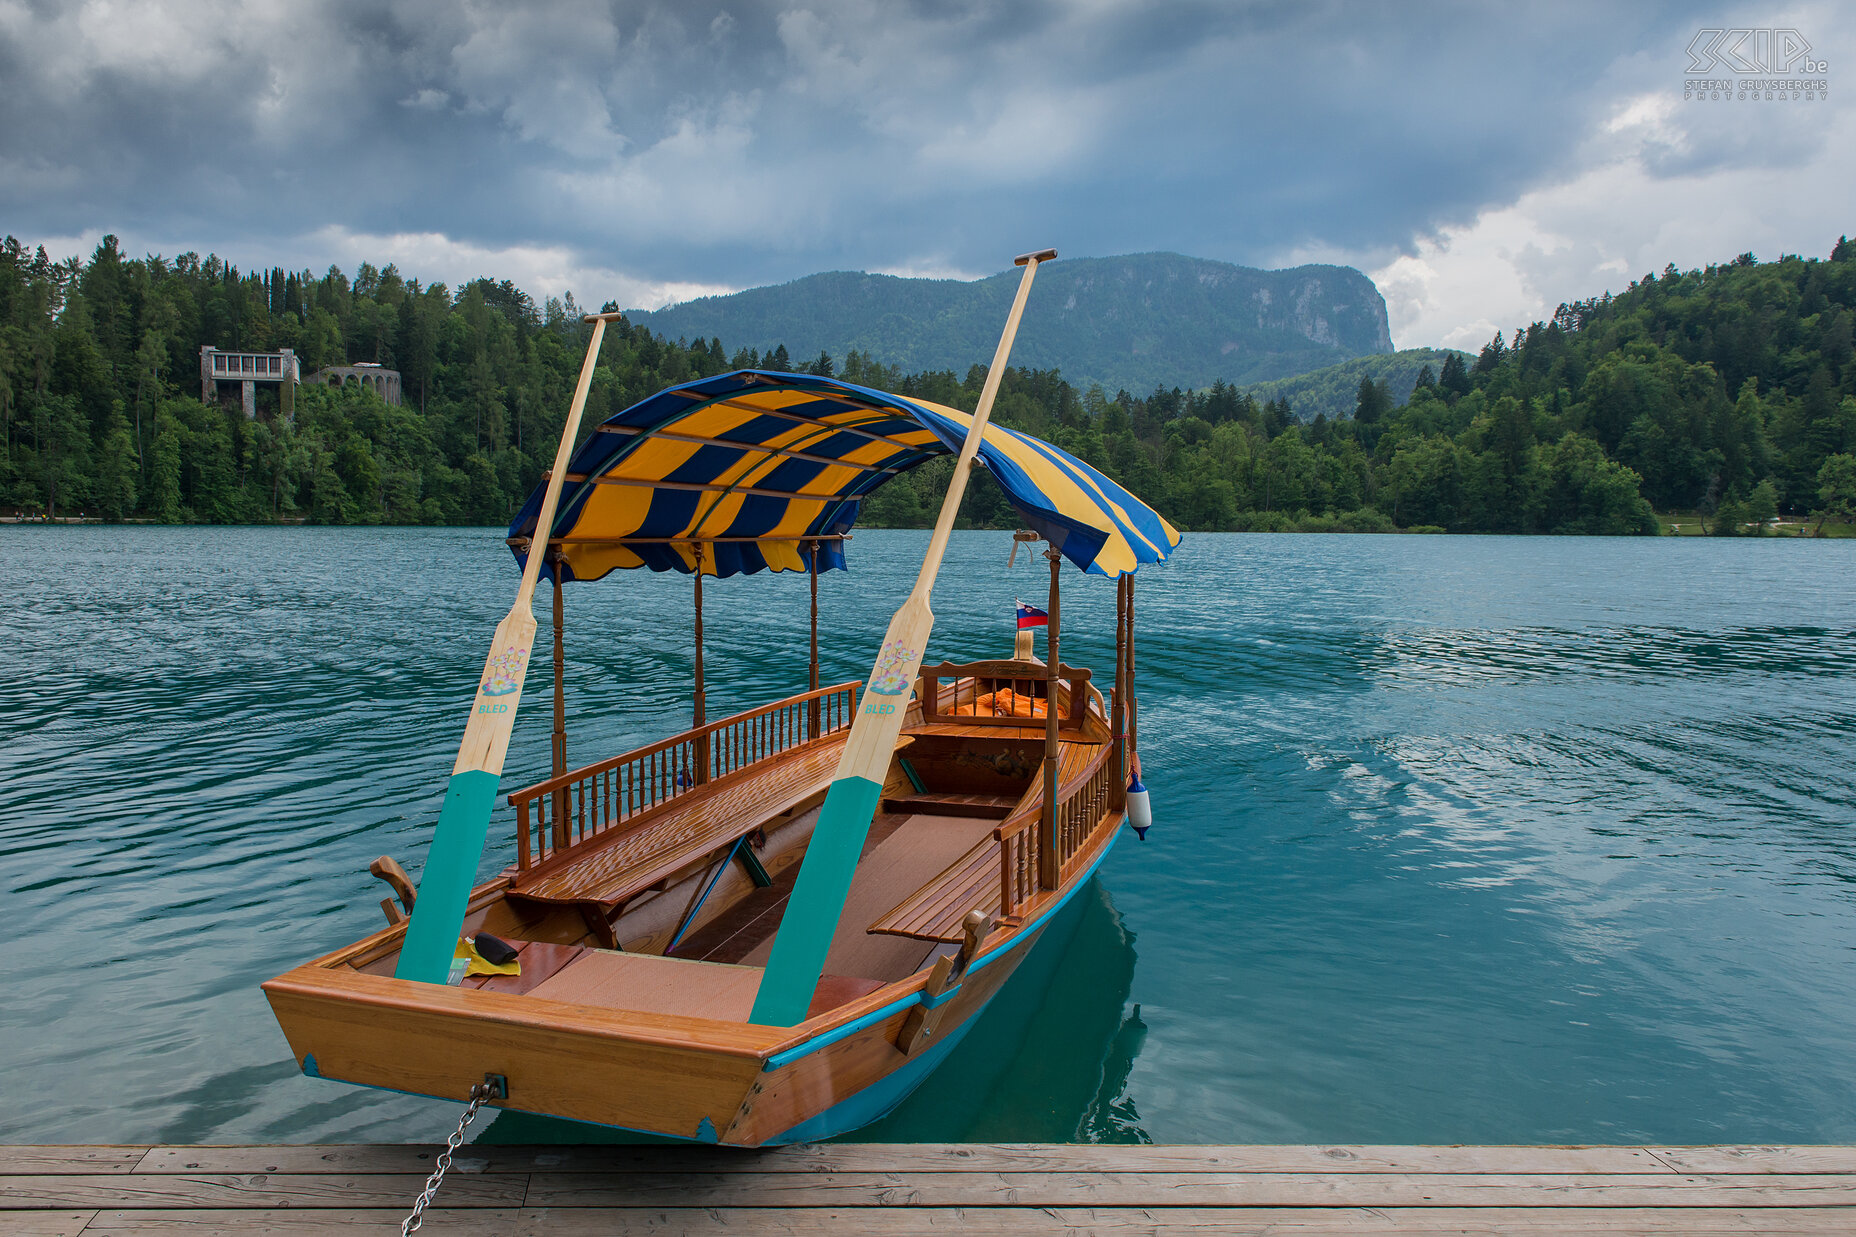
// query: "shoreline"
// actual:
[[1670, 526]]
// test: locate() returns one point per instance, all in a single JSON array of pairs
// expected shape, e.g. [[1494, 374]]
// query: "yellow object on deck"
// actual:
[[476, 964]]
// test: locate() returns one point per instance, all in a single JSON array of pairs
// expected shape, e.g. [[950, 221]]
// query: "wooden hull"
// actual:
[[699, 1079]]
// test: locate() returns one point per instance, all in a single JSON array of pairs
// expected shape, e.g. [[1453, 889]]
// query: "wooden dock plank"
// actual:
[[15, 1160], [985, 1189], [249, 1190], [933, 1191], [1173, 1222], [314, 1222], [1757, 1159], [911, 1157], [44, 1223], [980, 1222]]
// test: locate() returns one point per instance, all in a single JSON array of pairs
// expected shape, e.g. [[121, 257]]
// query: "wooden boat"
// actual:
[[770, 927]]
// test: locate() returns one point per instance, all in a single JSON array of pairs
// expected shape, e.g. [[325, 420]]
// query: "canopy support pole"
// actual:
[[1118, 705], [1050, 867], [697, 713], [1134, 709], [561, 838], [812, 706], [560, 697]]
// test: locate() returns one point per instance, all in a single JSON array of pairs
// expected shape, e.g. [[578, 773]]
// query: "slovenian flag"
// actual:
[[1031, 616]]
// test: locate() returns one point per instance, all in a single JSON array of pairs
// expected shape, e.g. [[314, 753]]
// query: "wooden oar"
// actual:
[[464, 820], [812, 913]]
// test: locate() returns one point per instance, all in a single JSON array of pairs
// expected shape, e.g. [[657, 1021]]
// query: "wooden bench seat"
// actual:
[[934, 912], [975, 881], [937, 803], [601, 875]]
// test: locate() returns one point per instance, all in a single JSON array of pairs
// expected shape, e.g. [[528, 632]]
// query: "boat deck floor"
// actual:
[[751, 922], [894, 859], [899, 853], [929, 1190]]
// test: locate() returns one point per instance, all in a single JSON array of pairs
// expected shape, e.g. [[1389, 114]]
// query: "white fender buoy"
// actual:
[[1140, 808]]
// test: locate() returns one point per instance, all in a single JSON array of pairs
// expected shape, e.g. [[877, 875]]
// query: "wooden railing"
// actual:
[[1083, 803], [563, 812], [1081, 810], [1018, 861], [1025, 680]]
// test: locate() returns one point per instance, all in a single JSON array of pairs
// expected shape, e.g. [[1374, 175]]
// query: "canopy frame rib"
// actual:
[[702, 487], [522, 543], [767, 463], [798, 419], [863, 485], [746, 448]]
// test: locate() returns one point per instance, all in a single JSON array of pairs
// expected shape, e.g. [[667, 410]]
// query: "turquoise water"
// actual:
[[1459, 840]]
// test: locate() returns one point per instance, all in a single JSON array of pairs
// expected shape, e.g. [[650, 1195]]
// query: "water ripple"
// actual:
[[1461, 839]]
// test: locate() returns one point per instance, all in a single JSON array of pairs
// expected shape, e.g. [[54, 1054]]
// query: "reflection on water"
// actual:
[[1458, 839], [1048, 1059]]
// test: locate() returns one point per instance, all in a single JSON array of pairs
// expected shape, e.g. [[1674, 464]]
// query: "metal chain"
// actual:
[[483, 1091]]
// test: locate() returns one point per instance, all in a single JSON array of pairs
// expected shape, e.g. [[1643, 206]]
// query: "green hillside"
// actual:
[[1129, 323], [1334, 391], [1730, 391]]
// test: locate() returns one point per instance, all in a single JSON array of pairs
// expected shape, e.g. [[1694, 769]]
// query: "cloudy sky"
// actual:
[[1482, 162]]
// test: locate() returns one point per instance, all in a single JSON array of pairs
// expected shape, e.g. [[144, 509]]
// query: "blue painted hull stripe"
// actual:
[[876, 1100], [780, 1060]]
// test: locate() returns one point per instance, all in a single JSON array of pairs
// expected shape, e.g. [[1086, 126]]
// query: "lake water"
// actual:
[[1459, 839]]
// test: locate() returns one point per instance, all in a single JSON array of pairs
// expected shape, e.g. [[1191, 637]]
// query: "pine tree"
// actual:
[[1491, 356], [64, 454], [1371, 402], [1455, 378], [117, 470], [164, 469]]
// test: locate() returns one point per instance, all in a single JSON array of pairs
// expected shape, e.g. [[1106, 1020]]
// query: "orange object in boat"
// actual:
[[1003, 703]]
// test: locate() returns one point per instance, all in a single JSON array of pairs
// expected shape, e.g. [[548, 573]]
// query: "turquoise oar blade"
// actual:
[[464, 820], [818, 896], [830, 863], [450, 872]]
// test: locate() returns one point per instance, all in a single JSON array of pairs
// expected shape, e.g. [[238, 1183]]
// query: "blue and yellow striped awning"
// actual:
[[755, 468]]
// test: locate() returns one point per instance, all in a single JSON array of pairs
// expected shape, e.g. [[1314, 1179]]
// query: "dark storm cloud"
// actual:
[[738, 143]]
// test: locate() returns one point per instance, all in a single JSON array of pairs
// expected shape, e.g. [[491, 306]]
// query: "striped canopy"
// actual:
[[756, 467]]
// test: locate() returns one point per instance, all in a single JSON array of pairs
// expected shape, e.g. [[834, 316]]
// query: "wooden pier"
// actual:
[[902, 1190]]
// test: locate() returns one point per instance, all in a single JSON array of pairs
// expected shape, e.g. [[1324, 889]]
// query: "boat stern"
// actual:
[[678, 1077]]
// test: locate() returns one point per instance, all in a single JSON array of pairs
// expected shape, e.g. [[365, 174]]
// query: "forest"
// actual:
[[1334, 389], [1728, 392]]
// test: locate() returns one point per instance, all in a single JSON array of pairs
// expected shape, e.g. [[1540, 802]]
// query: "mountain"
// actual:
[[1134, 322], [1335, 390]]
